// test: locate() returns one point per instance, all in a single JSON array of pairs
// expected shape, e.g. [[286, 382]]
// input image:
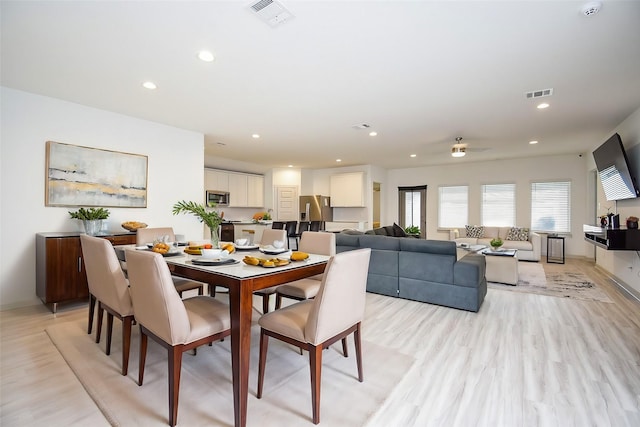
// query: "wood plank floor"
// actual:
[[523, 360]]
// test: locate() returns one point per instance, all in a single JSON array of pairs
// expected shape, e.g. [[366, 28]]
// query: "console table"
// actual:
[[614, 239], [60, 274]]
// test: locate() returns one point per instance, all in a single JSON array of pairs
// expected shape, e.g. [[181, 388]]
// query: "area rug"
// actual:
[[206, 389], [563, 282]]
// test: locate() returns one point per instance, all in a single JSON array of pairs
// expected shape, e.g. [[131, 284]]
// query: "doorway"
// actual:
[[286, 206], [412, 207], [376, 205]]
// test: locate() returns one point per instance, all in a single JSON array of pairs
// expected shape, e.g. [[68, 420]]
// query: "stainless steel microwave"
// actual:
[[219, 198]]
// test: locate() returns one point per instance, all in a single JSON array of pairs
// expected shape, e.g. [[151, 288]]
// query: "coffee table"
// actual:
[[502, 265]]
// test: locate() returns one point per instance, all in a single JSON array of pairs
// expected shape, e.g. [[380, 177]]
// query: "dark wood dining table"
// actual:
[[242, 280]]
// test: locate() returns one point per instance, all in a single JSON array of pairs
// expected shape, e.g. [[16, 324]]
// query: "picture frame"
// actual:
[[84, 176]]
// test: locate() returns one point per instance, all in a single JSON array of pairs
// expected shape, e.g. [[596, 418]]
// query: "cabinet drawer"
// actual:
[[125, 239]]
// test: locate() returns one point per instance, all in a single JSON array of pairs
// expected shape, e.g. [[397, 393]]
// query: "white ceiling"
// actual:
[[420, 73]]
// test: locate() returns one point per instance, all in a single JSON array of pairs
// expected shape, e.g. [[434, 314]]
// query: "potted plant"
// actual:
[[211, 218], [91, 219], [412, 230], [495, 243]]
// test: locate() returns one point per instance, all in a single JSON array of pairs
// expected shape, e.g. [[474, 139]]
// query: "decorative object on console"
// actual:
[[133, 225], [211, 218], [632, 222], [496, 243], [91, 219]]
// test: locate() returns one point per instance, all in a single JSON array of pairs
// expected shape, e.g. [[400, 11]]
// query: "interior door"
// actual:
[[286, 203]]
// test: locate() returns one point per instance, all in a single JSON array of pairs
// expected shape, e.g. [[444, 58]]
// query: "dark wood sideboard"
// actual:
[[60, 273]]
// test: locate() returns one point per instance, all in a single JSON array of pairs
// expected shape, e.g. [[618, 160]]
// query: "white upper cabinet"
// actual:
[[347, 190], [216, 180], [245, 190]]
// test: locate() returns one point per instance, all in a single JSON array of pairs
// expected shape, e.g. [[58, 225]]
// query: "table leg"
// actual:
[[241, 303]]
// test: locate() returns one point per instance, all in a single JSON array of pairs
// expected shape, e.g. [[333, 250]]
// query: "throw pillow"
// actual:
[[476, 231], [398, 231], [519, 234]]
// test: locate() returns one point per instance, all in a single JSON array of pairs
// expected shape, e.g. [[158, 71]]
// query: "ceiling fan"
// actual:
[[459, 149]]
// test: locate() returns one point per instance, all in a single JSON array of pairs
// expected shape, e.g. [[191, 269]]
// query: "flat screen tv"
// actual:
[[613, 168]]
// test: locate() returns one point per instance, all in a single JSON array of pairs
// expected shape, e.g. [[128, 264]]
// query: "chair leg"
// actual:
[[109, 331], [175, 365], [201, 290], [315, 366], [358, 343], [265, 303], [278, 300], [212, 290], [344, 347], [143, 356], [92, 309], [264, 344], [99, 323], [126, 343]]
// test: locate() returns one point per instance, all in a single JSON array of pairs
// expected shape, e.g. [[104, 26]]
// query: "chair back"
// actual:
[[303, 226], [278, 225], [318, 242], [148, 235], [340, 301], [315, 226], [105, 277], [291, 227], [158, 306], [269, 235]]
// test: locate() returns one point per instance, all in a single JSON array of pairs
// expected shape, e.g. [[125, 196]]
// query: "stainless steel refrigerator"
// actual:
[[315, 208]]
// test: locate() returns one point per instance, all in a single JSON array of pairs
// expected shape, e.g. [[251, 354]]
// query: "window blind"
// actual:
[[453, 206], [499, 205], [551, 206]]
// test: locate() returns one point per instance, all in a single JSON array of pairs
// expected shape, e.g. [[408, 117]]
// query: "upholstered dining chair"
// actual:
[[292, 228], [313, 325], [315, 226], [278, 225], [177, 325], [321, 243], [110, 288], [269, 235], [148, 235]]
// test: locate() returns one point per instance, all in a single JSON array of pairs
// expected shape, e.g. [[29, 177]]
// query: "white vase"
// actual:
[[92, 226]]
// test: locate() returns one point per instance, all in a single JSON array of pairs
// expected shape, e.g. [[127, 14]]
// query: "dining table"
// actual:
[[241, 280]]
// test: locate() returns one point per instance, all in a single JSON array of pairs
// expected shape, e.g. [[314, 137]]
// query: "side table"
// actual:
[[555, 249]]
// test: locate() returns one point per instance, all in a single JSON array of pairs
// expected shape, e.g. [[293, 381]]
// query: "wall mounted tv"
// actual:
[[613, 168]]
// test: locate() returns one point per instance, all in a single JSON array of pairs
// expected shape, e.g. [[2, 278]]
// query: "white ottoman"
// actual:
[[502, 266]]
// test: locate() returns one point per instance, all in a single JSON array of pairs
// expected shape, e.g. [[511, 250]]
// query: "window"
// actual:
[[551, 206], [453, 206], [499, 205], [413, 207]]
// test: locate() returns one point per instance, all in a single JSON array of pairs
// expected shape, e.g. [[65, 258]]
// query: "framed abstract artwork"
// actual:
[[85, 176]]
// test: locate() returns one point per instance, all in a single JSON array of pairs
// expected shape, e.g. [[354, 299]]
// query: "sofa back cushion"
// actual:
[[347, 242], [379, 242], [440, 247]]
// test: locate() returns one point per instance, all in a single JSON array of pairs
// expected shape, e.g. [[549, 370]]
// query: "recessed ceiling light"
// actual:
[[149, 85], [338, 160], [206, 56], [290, 166], [373, 133], [543, 106], [533, 142], [255, 136], [412, 155]]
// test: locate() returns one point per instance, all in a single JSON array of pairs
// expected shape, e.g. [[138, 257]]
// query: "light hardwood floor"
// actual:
[[522, 360]]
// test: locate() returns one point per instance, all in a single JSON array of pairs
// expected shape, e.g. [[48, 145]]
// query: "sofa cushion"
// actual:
[[398, 231], [386, 243], [519, 234], [476, 231], [521, 245]]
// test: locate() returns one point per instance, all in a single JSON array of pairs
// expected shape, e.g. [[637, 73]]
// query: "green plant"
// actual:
[[90, 214], [211, 218], [496, 243], [412, 229]]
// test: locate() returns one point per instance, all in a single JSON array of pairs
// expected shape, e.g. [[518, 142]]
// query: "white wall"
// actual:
[[519, 171], [625, 265], [175, 160]]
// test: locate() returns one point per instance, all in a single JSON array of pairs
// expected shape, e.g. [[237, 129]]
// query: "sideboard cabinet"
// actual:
[[60, 273]]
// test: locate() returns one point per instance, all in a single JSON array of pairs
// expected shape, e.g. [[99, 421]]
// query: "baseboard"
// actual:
[[621, 284]]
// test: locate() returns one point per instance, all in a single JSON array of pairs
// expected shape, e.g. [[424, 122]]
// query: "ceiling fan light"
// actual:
[[457, 152]]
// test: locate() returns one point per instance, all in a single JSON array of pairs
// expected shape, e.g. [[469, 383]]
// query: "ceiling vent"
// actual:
[[539, 93], [591, 8], [271, 12]]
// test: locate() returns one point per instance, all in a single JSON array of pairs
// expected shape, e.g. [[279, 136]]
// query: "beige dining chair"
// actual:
[[313, 325], [270, 235], [314, 242], [177, 325], [110, 288], [148, 235]]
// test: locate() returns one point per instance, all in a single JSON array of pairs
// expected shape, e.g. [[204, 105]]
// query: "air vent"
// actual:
[[539, 93], [361, 126], [271, 12]]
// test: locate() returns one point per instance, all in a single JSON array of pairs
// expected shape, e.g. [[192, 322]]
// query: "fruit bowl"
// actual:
[[133, 225]]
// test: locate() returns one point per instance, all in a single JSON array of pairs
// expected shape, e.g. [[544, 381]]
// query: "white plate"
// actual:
[[246, 247], [273, 251], [213, 261]]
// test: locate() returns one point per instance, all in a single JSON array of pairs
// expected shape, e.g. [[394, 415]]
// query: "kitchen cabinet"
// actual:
[[255, 191], [237, 190], [347, 190], [60, 272], [216, 180]]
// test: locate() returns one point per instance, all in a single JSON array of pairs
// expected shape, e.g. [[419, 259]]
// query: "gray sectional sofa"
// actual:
[[421, 270]]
